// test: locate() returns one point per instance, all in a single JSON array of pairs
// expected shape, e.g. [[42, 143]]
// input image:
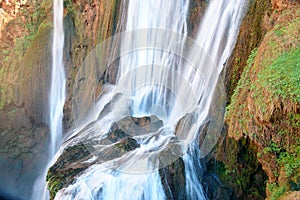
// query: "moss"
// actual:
[[275, 190], [278, 75], [282, 38], [251, 34], [282, 77], [240, 169], [26, 33], [39, 15], [54, 184], [56, 180], [265, 103], [237, 106], [290, 161], [271, 78], [62, 173]]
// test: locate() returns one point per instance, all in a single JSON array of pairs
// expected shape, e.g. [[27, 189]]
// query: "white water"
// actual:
[[159, 75], [217, 36], [58, 83], [57, 97]]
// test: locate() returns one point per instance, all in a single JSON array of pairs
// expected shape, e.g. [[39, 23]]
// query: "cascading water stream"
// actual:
[[57, 97], [58, 82], [158, 75], [216, 36]]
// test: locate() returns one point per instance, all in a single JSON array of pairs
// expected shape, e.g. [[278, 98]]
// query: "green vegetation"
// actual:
[[54, 184], [237, 107], [272, 148], [250, 37], [283, 38], [12, 60], [265, 106], [62, 173], [38, 16], [68, 4], [244, 80], [56, 180], [282, 77], [276, 190], [290, 161], [241, 169]]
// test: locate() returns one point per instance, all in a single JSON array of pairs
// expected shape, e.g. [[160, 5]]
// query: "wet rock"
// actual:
[[173, 180], [215, 189], [68, 165], [137, 126], [81, 155], [197, 9]]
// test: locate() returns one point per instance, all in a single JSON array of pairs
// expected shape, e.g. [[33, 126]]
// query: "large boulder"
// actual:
[[118, 141]]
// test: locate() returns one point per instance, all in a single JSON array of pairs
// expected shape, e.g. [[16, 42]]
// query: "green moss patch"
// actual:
[[282, 77], [266, 103]]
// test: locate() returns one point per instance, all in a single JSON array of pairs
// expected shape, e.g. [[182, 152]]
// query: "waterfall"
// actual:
[[57, 97], [165, 73], [57, 91], [216, 36]]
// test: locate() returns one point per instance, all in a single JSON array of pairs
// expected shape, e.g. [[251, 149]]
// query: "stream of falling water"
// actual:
[[157, 75], [57, 96], [58, 83]]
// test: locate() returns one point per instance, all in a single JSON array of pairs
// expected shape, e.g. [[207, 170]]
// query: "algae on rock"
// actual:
[[265, 106]]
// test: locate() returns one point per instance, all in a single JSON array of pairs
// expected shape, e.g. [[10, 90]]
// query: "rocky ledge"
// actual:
[[118, 141]]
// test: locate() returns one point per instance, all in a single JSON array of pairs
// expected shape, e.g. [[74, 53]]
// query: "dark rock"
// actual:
[[68, 165], [238, 168], [173, 180], [225, 193], [215, 189], [116, 150], [196, 11], [138, 126]]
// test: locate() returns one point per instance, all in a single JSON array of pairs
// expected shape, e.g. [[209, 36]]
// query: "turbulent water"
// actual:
[[162, 72]]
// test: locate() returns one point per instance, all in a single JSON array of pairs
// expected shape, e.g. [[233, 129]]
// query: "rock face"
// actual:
[[22, 150], [25, 64], [263, 115], [250, 36], [24, 73], [87, 24], [173, 180]]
